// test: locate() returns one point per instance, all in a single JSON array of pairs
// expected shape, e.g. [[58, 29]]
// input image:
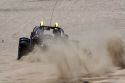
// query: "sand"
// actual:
[[98, 25]]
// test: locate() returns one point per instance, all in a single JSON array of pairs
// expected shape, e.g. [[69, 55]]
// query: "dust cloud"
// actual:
[[66, 61], [72, 62], [116, 50]]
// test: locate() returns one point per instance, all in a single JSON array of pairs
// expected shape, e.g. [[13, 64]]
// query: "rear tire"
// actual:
[[23, 47]]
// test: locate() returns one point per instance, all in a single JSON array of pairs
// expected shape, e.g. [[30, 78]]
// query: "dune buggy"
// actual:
[[37, 37]]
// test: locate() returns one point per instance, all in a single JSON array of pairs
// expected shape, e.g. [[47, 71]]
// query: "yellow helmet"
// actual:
[[56, 24], [41, 23]]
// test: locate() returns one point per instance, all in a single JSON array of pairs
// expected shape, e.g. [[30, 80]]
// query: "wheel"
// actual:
[[23, 47]]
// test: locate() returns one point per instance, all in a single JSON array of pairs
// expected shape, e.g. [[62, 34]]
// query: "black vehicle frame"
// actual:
[[26, 45]]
